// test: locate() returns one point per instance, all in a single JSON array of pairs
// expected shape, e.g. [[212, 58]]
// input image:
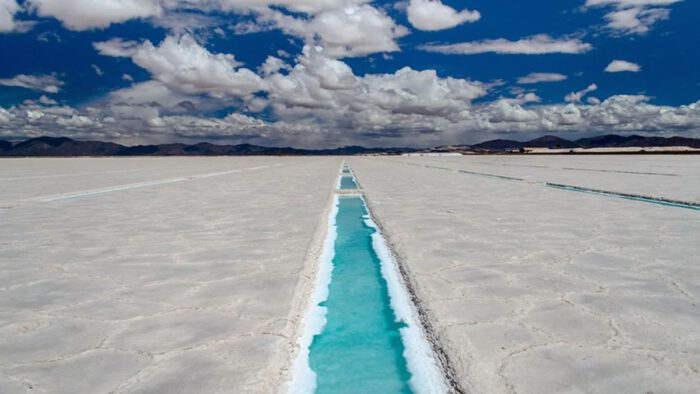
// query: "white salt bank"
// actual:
[[531, 289], [187, 277]]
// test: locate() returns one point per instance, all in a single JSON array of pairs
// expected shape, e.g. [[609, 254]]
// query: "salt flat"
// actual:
[[184, 275], [667, 176], [175, 275], [536, 290]]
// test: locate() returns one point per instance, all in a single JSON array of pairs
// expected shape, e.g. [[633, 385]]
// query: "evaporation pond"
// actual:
[[360, 349], [347, 182]]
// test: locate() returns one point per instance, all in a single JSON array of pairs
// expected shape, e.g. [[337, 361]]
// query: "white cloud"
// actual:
[[633, 16], [305, 6], [534, 45], [327, 87], [502, 111], [617, 66], [184, 66], [273, 65], [635, 20], [116, 47], [8, 9], [346, 28], [345, 32], [47, 101], [630, 3], [127, 77], [133, 116], [432, 15], [97, 69], [90, 14], [41, 83], [541, 77], [576, 97], [522, 98]]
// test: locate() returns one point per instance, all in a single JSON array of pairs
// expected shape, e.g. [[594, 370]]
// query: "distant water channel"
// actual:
[[347, 183], [360, 349]]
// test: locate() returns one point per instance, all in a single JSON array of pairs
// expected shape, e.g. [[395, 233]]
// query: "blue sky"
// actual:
[[312, 73]]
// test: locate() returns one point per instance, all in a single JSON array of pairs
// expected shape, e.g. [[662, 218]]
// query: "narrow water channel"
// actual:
[[362, 333], [347, 183], [360, 349]]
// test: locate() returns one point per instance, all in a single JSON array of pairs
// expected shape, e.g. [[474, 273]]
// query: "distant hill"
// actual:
[[66, 147], [603, 141], [496, 145], [552, 142], [547, 141], [49, 146]]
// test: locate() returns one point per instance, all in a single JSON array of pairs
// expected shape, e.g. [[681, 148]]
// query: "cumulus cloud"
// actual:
[[633, 16], [133, 120], [89, 14], [326, 88], [304, 6], [183, 65], [534, 45], [273, 65], [344, 32], [40, 83], [504, 111], [576, 97], [8, 9], [541, 77], [346, 28], [47, 101], [432, 15], [617, 66], [316, 99], [116, 47]]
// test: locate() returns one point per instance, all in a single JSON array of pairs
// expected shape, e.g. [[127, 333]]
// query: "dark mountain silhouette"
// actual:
[[606, 141], [603, 141], [49, 146], [66, 147], [496, 145], [551, 141]]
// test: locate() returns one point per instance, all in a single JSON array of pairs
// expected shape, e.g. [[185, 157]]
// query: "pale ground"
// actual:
[[537, 290], [187, 275], [180, 275], [668, 176]]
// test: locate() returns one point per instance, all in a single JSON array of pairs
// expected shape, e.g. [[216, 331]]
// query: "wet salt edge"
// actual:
[[426, 374], [303, 377]]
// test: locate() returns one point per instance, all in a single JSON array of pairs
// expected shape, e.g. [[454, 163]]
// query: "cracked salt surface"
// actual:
[[527, 289], [164, 288], [532, 290]]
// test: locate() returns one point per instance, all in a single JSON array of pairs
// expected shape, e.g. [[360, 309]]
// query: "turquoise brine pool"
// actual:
[[347, 183], [360, 349]]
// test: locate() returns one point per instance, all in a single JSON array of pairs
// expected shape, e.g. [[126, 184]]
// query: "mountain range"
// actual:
[[62, 146]]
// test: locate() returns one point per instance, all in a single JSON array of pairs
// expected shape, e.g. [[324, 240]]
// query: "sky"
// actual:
[[328, 73]]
